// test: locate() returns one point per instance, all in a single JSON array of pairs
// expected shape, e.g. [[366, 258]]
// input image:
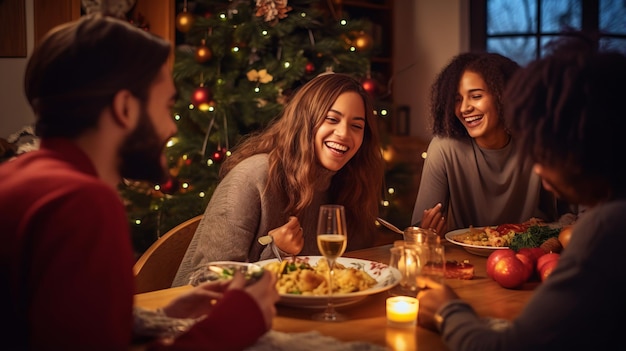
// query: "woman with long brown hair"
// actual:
[[323, 148]]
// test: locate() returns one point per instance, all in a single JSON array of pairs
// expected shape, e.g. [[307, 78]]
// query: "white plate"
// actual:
[[386, 277], [473, 249], [212, 272]]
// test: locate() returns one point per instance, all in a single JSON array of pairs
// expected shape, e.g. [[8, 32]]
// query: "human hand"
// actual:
[[289, 237], [434, 219], [263, 291], [431, 297], [198, 301]]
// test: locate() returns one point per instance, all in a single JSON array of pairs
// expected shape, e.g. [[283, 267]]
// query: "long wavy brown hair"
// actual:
[[495, 69], [289, 141]]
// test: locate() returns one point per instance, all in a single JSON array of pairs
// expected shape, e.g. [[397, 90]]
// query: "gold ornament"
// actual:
[[203, 53], [184, 21], [206, 106], [260, 76], [363, 41]]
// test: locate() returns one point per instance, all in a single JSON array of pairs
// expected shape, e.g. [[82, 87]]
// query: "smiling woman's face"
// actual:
[[476, 109], [341, 134]]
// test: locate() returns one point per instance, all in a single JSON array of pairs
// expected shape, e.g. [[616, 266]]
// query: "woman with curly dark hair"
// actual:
[[324, 148], [475, 174]]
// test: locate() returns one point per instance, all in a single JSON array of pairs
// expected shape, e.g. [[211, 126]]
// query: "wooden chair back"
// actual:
[[157, 266]]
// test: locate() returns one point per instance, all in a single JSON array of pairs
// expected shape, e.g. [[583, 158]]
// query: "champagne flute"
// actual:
[[332, 238]]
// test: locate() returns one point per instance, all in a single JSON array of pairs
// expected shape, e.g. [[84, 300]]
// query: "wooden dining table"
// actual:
[[366, 319]]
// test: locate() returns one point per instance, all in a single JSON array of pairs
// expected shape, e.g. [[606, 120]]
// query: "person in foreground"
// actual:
[[102, 94], [472, 175], [323, 148], [567, 111]]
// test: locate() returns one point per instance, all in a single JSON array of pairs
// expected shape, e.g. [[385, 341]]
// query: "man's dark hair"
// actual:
[[74, 73], [568, 110]]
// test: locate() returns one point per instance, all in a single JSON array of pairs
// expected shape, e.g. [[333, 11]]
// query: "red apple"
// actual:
[[546, 264], [528, 263], [494, 257], [510, 272], [547, 269], [532, 252], [541, 261]]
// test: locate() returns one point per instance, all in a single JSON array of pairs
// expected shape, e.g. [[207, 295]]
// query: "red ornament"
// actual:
[[369, 85], [200, 95], [169, 187], [219, 155], [309, 68]]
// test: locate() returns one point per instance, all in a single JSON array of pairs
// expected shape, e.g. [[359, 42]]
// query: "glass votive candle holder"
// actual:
[[402, 311]]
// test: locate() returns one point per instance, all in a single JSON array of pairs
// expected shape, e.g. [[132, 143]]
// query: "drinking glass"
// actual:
[[435, 263], [332, 238], [406, 258]]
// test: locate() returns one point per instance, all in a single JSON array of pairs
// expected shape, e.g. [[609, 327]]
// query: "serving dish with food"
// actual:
[[485, 240], [303, 282]]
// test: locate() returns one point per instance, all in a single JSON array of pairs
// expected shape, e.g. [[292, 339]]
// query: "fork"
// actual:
[[268, 240]]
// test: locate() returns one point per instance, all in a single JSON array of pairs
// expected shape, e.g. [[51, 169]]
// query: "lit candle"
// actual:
[[402, 311]]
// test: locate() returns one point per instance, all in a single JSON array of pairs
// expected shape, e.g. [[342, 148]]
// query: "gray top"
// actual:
[[579, 306], [240, 211], [481, 187]]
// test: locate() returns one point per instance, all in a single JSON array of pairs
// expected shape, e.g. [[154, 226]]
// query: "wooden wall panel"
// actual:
[[159, 14], [12, 28], [49, 13]]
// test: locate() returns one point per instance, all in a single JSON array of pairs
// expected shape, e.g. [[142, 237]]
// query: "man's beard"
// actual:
[[141, 153]]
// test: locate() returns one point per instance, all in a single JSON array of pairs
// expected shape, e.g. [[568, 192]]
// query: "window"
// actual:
[[520, 29]]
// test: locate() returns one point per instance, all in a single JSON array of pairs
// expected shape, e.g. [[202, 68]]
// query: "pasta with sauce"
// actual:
[[303, 279]]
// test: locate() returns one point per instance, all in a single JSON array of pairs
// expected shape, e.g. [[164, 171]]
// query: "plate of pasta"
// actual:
[[303, 282], [480, 241]]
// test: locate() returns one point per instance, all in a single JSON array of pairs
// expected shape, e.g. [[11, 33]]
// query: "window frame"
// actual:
[[590, 22]]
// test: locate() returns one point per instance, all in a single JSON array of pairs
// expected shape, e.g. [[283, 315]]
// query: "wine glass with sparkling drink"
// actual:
[[332, 238]]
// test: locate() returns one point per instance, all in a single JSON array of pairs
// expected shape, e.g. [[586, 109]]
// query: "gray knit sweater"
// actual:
[[240, 211], [481, 187]]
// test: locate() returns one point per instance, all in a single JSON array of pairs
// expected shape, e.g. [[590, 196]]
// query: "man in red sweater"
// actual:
[[102, 94]]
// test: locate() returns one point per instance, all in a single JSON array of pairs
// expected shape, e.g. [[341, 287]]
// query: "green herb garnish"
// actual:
[[534, 236]]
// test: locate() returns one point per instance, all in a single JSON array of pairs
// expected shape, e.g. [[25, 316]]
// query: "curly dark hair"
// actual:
[[567, 109], [495, 69]]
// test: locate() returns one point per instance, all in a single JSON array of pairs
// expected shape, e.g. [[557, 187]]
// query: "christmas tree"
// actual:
[[236, 64]]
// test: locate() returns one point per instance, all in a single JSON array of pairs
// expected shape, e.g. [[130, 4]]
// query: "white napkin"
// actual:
[[309, 341]]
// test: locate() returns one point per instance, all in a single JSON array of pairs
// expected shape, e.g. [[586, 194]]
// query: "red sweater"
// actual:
[[67, 262]]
